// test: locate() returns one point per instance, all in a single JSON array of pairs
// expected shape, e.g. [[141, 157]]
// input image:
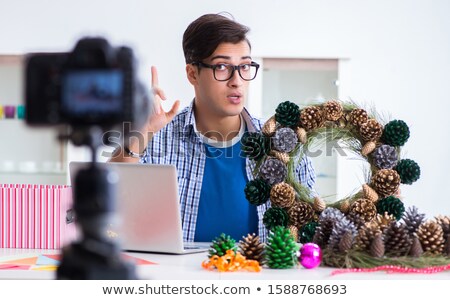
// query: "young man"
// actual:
[[203, 140]]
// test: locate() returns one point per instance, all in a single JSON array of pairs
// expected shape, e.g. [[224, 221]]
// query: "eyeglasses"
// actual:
[[224, 72]]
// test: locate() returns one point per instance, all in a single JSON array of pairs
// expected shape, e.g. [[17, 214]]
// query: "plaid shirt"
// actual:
[[178, 144]]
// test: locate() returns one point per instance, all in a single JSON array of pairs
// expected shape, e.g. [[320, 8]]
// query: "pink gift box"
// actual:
[[36, 216]]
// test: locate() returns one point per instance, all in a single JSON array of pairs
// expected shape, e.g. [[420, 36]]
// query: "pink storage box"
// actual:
[[36, 216]]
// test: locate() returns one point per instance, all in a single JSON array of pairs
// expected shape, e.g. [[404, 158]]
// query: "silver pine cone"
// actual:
[[285, 139], [385, 157], [273, 171]]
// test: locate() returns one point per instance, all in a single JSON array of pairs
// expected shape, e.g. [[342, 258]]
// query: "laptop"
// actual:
[[148, 208]]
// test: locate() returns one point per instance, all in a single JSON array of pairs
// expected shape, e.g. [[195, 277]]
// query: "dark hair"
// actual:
[[205, 34]]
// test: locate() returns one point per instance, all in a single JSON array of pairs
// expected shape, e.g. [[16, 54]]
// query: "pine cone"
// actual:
[[252, 248], [257, 191], [269, 127], [416, 248], [285, 140], [283, 156], [301, 135], [431, 237], [357, 117], [371, 130], [391, 205], [275, 216], [319, 205], [346, 242], [408, 170], [255, 145], [385, 157], [294, 232], [311, 117], [368, 148], [396, 133], [365, 236], [413, 219], [369, 193], [300, 213], [397, 240], [332, 110], [383, 221], [307, 232], [282, 195], [221, 244], [364, 208], [287, 113], [377, 247], [345, 206], [281, 249], [341, 227], [386, 182], [444, 222], [273, 171], [327, 220], [357, 219]]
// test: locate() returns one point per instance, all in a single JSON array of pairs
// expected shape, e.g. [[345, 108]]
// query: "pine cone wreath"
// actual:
[[385, 157], [408, 170], [365, 208], [371, 130], [307, 231], [257, 191], [311, 117], [282, 195], [255, 145], [269, 127], [287, 113], [332, 111], [396, 133], [273, 171], [413, 219], [357, 117], [300, 213], [252, 248], [275, 216], [281, 249], [431, 237], [285, 139], [386, 182], [221, 244], [365, 236], [392, 206], [397, 240]]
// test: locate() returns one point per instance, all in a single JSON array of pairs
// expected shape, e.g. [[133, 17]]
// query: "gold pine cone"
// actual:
[[319, 205], [357, 117], [368, 148], [369, 193], [282, 195], [365, 208], [383, 221], [283, 156], [444, 221], [300, 213], [386, 182], [371, 130], [294, 232], [332, 110], [431, 237], [311, 117], [269, 127], [365, 236], [301, 134], [345, 206]]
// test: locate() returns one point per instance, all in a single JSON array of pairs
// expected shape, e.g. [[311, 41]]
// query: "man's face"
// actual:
[[222, 98]]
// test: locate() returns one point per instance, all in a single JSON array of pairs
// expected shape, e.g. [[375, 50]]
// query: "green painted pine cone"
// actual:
[[221, 244], [275, 216], [408, 170], [281, 249], [395, 133], [257, 191], [391, 205], [307, 232], [255, 145], [287, 113]]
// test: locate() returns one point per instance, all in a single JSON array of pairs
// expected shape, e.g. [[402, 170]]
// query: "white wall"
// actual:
[[398, 54]]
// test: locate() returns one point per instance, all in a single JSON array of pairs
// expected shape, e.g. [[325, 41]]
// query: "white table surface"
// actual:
[[188, 267]]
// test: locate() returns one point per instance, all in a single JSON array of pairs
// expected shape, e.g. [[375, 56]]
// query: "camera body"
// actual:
[[95, 84]]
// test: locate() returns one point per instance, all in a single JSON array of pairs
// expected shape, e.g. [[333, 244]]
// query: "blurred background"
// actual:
[[393, 56]]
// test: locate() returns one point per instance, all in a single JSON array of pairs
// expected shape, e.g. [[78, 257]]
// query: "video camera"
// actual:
[[91, 89]]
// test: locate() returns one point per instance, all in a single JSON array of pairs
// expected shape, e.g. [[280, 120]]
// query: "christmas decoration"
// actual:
[[307, 232], [273, 171], [252, 248], [282, 195], [391, 205], [257, 191], [221, 244], [281, 249], [385, 157], [413, 219], [310, 255], [230, 262], [254, 145], [287, 114], [311, 117], [285, 139], [275, 216], [396, 133], [431, 237], [408, 170]]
